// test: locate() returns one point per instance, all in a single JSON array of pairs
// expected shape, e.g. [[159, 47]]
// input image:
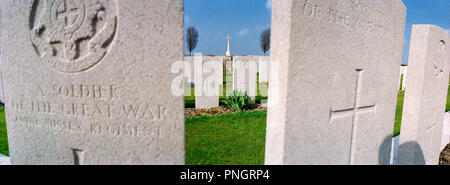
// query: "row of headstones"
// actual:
[[402, 77], [244, 69], [332, 96], [206, 74]]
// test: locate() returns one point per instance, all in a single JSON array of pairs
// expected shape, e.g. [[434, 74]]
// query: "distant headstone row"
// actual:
[[402, 77], [92, 82], [207, 74]]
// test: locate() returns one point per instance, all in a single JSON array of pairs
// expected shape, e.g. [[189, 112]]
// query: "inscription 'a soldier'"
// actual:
[[73, 35]]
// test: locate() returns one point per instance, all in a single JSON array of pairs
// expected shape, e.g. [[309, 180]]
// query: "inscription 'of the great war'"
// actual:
[[72, 35], [355, 15]]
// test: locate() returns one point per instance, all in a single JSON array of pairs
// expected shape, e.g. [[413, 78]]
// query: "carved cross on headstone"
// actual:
[[355, 112], [68, 12]]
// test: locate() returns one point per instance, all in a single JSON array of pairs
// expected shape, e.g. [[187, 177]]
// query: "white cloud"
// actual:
[[448, 31], [269, 4], [243, 32]]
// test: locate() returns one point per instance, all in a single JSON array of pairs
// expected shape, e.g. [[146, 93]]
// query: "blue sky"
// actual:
[[436, 12], [244, 20]]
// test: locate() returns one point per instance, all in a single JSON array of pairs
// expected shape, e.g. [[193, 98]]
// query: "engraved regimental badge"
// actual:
[[439, 63], [72, 35]]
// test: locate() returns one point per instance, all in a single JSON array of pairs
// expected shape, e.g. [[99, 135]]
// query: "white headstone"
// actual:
[[425, 96], [401, 82], [263, 70], [89, 82], [405, 73], [338, 70], [208, 81], [244, 76]]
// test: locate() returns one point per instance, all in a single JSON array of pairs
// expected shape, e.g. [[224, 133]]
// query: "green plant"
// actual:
[[238, 100]]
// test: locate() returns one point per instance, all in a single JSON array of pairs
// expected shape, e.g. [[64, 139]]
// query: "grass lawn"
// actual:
[[447, 107], [3, 137], [398, 114], [232, 139]]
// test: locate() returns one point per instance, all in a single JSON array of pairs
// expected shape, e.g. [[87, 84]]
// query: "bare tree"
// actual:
[[191, 39], [265, 41]]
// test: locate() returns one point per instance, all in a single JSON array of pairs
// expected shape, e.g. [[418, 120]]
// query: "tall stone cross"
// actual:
[[228, 47], [355, 112]]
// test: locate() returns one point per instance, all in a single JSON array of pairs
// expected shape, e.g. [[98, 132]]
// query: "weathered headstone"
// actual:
[[425, 96], [338, 73], [405, 73], [208, 80], [402, 81], [263, 69], [244, 75], [88, 82]]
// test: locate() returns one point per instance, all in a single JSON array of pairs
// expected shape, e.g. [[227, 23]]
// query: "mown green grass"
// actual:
[[231, 139], [398, 114], [3, 136]]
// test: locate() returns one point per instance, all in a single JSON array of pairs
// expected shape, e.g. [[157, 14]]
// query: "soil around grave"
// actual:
[[444, 159], [216, 110]]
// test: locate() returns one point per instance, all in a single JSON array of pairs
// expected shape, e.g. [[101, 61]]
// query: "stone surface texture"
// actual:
[[88, 82], [446, 131], [339, 62], [263, 69], [425, 96]]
